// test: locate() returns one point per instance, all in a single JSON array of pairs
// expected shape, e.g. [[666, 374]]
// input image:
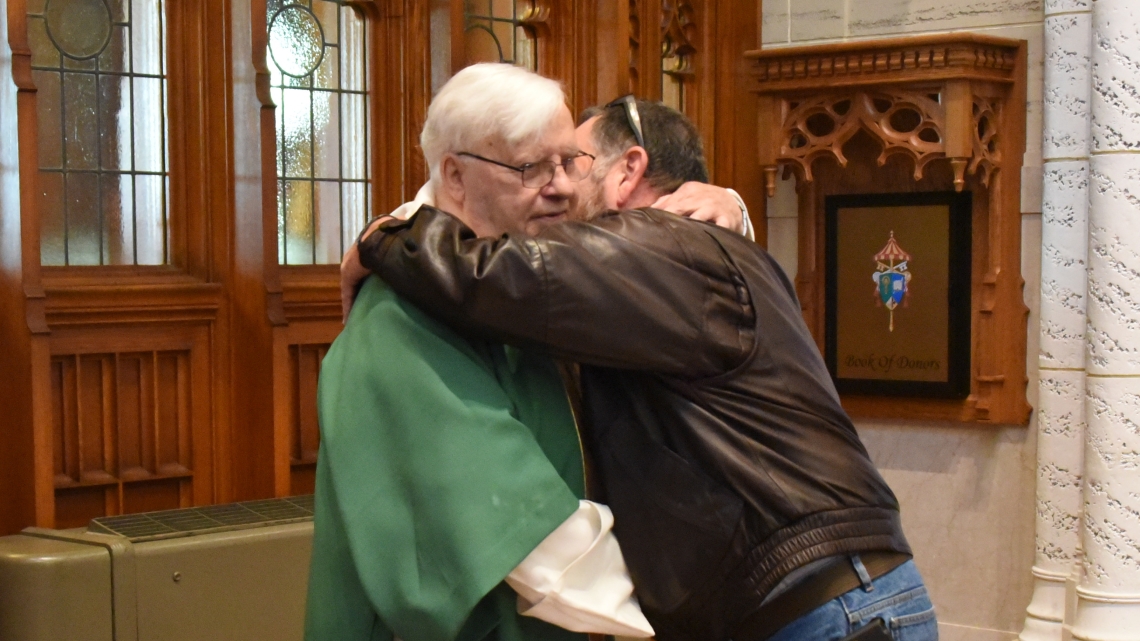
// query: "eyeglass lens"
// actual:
[[541, 173]]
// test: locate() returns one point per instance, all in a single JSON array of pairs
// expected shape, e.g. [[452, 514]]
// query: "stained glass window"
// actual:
[[319, 75], [494, 31], [100, 70]]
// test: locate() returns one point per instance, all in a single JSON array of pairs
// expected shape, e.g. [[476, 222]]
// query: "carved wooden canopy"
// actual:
[[929, 98]]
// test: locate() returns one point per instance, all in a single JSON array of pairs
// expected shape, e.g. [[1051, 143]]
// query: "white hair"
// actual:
[[485, 101]]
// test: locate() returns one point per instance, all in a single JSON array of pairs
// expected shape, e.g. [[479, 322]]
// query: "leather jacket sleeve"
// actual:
[[620, 291]]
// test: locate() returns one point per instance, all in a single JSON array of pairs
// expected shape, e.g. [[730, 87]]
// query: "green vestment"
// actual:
[[443, 463]]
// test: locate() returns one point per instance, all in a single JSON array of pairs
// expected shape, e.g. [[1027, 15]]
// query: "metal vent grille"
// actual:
[[198, 520]]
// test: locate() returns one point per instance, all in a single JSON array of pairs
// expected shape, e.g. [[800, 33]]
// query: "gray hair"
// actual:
[[672, 142], [485, 101]]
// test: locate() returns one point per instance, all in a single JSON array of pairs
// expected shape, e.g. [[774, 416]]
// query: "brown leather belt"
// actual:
[[819, 588]]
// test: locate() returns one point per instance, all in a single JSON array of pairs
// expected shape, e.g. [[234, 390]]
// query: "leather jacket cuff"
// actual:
[[374, 247]]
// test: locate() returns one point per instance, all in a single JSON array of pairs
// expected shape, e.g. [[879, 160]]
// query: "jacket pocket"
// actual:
[[674, 524]]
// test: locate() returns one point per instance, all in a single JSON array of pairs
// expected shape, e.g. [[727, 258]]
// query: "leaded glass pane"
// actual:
[[100, 71], [52, 228], [672, 82], [319, 75], [678, 27], [495, 31]]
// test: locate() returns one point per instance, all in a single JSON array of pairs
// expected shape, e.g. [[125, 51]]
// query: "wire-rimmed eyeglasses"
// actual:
[[539, 174], [629, 103]]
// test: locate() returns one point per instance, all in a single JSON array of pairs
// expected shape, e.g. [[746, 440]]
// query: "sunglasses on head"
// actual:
[[629, 103]]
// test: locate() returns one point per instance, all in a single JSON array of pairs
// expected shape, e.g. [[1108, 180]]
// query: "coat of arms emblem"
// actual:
[[892, 277]]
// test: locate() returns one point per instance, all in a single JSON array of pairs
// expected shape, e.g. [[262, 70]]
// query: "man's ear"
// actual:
[[451, 175], [633, 165]]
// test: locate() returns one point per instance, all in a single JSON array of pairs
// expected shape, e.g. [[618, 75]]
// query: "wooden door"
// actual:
[[161, 355]]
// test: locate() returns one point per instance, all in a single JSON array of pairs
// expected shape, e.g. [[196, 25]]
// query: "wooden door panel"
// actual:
[[305, 363], [301, 346], [131, 420]]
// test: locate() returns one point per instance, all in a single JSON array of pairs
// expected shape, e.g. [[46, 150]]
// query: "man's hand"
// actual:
[[352, 272], [701, 201]]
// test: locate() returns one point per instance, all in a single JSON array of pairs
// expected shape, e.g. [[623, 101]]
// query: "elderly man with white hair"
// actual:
[[450, 480]]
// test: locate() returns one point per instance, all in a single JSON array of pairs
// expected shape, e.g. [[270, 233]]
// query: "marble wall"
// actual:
[[967, 493]]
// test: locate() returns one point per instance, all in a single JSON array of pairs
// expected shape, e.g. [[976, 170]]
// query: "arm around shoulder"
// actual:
[[622, 291]]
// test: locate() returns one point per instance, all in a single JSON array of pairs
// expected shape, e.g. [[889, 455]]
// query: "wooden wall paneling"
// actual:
[[645, 48], [131, 420], [25, 440], [458, 25], [305, 344], [253, 280], [249, 290], [300, 350], [284, 406], [415, 38], [407, 67], [810, 268], [155, 389], [972, 137], [611, 42], [305, 437], [583, 58], [163, 319], [732, 110], [552, 26], [1003, 297], [188, 183], [203, 176], [312, 307], [567, 49], [629, 38], [700, 88], [385, 22]]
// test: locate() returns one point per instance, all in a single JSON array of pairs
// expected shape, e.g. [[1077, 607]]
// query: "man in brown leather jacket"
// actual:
[[745, 505]]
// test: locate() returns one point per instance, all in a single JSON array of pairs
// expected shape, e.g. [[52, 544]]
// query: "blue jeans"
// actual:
[[898, 597]]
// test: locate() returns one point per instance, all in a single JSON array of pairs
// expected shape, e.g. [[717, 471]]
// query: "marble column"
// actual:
[[1108, 596], [1064, 244]]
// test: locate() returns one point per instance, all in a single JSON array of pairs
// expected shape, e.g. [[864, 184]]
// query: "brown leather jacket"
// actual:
[[717, 434]]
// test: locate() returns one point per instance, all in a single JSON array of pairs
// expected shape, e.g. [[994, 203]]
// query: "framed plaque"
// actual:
[[898, 293]]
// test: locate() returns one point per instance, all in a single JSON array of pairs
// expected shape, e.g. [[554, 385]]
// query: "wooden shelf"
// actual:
[[927, 113]]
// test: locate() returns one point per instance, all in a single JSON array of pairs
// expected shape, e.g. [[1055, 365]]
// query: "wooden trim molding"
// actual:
[[941, 87], [728, 109], [311, 293], [952, 107], [898, 60], [25, 451], [134, 304]]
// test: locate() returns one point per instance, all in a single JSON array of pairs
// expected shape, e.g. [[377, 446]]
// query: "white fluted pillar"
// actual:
[[1064, 244], [1108, 596]]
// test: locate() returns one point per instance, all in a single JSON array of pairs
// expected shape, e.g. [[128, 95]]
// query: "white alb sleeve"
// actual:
[[747, 229], [425, 196], [577, 579]]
